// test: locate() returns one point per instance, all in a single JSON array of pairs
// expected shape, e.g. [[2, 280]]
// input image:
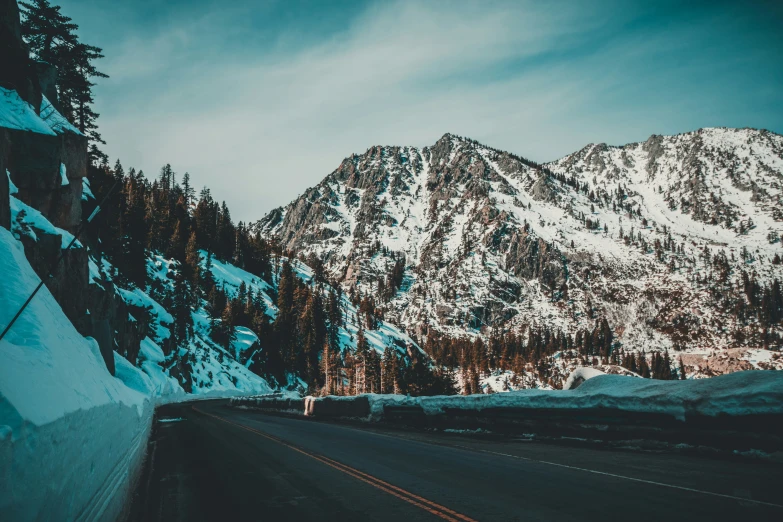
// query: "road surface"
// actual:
[[209, 462]]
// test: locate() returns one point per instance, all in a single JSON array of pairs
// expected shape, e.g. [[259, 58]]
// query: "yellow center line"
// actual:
[[416, 500]]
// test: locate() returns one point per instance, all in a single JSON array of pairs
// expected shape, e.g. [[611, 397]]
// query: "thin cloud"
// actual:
[[259, 127]]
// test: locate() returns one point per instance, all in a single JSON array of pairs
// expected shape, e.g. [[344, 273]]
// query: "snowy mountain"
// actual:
[[674, 241]]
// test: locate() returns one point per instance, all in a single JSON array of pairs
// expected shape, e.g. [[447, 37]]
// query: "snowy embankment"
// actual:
[[580, 375], [72, 437], [737, 394]]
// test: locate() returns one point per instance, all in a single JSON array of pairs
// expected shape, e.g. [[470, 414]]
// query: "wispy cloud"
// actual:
[[259, 125]]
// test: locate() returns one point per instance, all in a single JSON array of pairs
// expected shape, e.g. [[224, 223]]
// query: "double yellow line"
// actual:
[[411, 498]]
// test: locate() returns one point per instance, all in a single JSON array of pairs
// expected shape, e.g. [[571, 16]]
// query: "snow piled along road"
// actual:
[[735, 394], [64, 420]]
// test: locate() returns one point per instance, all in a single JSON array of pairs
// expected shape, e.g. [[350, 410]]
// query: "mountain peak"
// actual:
[[449, 136], [494, 243]]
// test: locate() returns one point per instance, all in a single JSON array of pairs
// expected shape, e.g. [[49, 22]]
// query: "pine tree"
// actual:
[[75, 87], [45, 28], [183, 320], [222, 331], [334, 317], [466, 384], [187, 190], [311, 342], [217, 301], [362, 352], [642, 365], [133, 232], [192, 266], [52, 37], [177, 245], [389, 371], [666, 366], [326, 370], [225, 234], [285, 321]]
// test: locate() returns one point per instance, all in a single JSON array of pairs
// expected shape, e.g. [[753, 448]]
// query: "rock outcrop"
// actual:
[[48, 168]]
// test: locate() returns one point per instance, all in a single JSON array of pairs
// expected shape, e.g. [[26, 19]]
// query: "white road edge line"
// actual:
[[663, 484], [644, 481]]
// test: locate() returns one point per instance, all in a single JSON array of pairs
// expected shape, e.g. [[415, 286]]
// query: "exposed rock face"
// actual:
[[18, 72], [436, 209], [36, 162], [532, 258], [110, 325], [47, 160], [47, 80], [69, 278], [490, 240]]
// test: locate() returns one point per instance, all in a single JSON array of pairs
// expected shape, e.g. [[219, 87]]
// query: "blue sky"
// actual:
[[260, 100]]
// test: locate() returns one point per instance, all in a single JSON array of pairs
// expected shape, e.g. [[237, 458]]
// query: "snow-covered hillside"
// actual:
[[231, 277], [204, 367], [654, 237]]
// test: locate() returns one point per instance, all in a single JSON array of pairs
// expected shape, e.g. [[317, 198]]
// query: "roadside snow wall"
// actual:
[[72, 437], [738, 410]]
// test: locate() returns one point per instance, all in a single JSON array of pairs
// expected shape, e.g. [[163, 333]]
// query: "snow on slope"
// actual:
[[17, 114], [25, 218], [207, 368], [48, 369], [231, 277], [61, 413], [213, 371]]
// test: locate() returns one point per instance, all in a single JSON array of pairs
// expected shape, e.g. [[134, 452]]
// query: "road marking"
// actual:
[[652, 482], [634, 479], [420, 502]]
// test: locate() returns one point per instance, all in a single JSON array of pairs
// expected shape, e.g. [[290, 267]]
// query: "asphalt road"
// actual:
[[217, 463]]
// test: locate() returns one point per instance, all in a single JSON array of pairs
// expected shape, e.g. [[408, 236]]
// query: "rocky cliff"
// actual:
[[43, 162]]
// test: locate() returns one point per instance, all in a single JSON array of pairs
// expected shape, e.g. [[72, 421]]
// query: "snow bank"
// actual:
[[164, 387], [579, 375], [245, 340], [741, 393], [72, 437], [161, 317]]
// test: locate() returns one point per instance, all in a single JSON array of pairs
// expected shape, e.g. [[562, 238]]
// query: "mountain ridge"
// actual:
[[473, 222]]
